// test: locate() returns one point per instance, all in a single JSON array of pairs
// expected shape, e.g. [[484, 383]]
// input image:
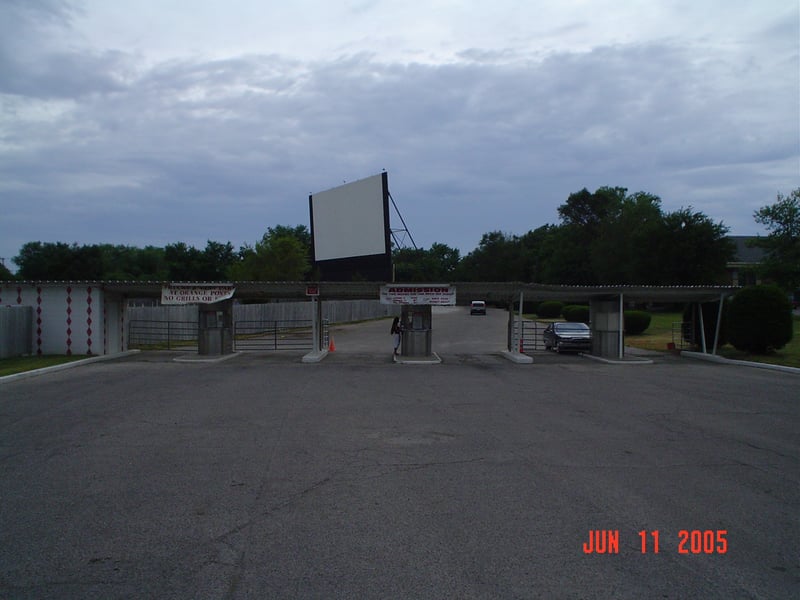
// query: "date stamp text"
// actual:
[[689, 541]]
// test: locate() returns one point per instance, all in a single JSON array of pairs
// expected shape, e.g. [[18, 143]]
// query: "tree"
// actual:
[[538, 247], [438, 264], [568, 261], [86, 263], [583, 216], [782, 220], [48, 261], [620, 251], [148, 264], [445, 261], [216, 261], [586, 209], [187, 263], [298, 231], [498, 257], [37, 260], [60, 261], [691, 249], [5, 274], [279, 256], [184, 263], [611, 237], [129, 263], [177, 262]]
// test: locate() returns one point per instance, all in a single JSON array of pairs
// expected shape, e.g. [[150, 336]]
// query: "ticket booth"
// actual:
[[417, 327], [416, 319], [607, 328], [215, 328]]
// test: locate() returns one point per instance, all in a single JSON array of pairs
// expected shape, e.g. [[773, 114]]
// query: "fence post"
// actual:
[[521, 340], [510, 333]]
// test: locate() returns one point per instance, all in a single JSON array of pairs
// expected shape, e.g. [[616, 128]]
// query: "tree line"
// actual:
[[283, 253], [603, 237], [611, 237], [607, 236]]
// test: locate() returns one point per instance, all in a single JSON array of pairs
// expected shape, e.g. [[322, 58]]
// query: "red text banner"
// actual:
[[434, 295]]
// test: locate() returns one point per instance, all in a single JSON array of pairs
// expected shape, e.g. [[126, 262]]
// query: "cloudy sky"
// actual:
[[156, 121]]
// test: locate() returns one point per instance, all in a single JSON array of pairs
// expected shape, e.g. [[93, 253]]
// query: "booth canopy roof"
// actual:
[[502, 292]]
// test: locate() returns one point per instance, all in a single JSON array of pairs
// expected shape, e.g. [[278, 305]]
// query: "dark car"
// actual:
[[564, 337]]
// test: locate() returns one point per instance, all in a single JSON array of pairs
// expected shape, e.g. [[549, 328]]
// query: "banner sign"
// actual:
[[195, 293], [435, 295]]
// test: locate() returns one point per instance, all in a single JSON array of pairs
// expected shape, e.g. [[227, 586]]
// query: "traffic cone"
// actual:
[[331, 345]]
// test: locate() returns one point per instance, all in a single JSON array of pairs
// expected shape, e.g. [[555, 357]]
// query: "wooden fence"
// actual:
[[334, 311]]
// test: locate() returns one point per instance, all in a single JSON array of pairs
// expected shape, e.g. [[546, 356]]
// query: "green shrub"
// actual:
[[636, 321], [549, 309], [710, 312], [760, 319], [576, 313]]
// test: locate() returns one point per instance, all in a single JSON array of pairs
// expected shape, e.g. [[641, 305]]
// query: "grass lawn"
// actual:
[[11, 366], [659, 334], [788, 356]]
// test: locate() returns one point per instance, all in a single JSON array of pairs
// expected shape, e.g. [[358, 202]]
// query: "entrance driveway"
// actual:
[[262, 477], [455, 332]]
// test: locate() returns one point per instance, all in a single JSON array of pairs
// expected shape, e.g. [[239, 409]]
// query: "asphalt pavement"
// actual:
[[263, 477], [454, 332]]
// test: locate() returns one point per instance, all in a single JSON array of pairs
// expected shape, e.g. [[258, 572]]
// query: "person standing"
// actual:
[[397, 332]]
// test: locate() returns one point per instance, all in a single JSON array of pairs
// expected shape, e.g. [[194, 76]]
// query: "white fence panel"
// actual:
[[335, 311], [347, 311], [162, 313]]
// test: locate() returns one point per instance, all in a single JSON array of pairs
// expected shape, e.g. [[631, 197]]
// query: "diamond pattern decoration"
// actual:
[[39, 321], [89, 320], [69, 321]]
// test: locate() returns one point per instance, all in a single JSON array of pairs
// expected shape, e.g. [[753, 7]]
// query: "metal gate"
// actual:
[[147, 334], [682, 335], [275, 335], [531, 339]]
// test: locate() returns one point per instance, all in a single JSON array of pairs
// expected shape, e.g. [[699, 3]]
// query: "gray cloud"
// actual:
[[33, 65], [99, 147]]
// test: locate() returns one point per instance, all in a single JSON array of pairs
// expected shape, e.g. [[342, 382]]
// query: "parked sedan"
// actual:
[[565, 337]]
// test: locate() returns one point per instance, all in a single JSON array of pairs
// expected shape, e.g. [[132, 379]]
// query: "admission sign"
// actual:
[[434, 295], [195, 293]]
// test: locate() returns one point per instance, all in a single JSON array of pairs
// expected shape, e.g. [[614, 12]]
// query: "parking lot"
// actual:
[[262, 477]]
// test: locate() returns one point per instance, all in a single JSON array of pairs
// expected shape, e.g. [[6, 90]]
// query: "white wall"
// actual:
[[67, 319], [82, 319]]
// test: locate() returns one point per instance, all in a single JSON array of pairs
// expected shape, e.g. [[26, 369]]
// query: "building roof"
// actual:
[[746, 254], [502, 292]]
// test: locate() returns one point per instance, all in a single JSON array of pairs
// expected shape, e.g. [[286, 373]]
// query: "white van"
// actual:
[[477, 307]]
